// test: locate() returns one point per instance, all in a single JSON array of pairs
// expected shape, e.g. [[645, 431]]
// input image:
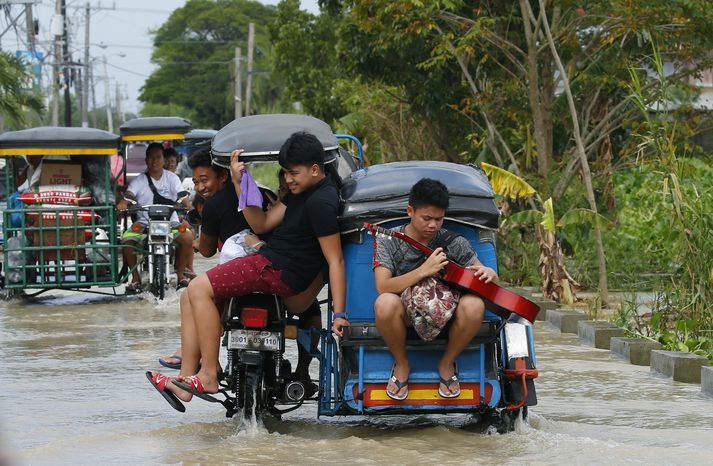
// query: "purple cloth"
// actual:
[[250, 195]]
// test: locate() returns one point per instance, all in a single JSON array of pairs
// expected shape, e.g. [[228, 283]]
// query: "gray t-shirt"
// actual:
[[401, 258]]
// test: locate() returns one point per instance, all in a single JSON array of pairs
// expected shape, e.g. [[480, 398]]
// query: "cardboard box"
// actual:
[[58, 173], [69, 240]]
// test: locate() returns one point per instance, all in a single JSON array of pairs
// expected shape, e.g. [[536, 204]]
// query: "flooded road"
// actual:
[[74, 391]]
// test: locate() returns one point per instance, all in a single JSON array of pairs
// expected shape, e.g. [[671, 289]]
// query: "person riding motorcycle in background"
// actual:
[[155, 186]]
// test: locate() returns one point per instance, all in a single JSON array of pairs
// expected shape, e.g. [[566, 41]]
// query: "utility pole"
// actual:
[[65, 59], [118, 103], [94, 97], [249, 84], [238, 91], [57, 62], [30, 24], [107, 99], [87, 65]]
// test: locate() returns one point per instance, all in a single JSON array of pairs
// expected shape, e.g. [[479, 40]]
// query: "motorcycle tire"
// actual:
[[158, 287]]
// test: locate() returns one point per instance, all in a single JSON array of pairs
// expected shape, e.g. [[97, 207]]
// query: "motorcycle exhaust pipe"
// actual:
[[295, 391]]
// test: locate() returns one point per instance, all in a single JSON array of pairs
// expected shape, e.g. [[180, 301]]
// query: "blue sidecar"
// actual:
[[355, 368]]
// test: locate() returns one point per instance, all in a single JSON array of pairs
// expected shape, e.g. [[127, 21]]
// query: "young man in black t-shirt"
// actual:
[[305, 237]]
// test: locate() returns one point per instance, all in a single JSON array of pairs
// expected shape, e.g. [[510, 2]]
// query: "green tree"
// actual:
[[15, 101], [304, 59], [195, 51]]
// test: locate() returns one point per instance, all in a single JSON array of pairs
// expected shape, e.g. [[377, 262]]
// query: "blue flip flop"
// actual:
[[171, 365]]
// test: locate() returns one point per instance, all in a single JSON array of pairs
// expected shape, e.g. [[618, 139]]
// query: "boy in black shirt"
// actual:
[[305, 236]]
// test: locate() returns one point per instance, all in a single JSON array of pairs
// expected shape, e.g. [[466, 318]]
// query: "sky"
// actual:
[[119, 31]]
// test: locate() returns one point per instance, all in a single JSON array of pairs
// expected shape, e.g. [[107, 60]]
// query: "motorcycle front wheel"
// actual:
[[158, 287]]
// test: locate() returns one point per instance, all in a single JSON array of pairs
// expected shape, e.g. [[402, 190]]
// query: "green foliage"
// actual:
[[154, 109], [16, 102], [506, 183], [195, 50], [304, 61]]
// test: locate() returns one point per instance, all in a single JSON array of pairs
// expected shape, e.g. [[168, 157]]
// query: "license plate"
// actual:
[[255, 340]]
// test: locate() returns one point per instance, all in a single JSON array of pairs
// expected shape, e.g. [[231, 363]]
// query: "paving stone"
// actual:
[[707, 379], [683, 367], [635, 350], [598, 333], [565, 319], [546, 305]]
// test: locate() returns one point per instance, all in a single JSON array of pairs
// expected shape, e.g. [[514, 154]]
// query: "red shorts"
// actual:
[[245, 275]]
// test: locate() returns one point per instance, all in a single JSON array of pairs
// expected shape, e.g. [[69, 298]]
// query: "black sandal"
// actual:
[[399, 384]]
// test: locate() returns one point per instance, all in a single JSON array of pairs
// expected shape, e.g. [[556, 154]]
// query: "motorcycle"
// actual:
[[159, 239], [257, 376]]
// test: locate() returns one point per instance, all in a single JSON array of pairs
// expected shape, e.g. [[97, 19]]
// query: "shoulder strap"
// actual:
[[151, 185]]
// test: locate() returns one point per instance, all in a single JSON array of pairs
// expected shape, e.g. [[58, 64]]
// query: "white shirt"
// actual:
[[168, 186]]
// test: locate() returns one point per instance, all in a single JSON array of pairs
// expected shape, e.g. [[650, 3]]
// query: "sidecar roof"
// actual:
[[380, 193], [58, 140]]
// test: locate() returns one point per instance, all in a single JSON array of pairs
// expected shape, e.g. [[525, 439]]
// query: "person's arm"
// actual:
[[463, 253], [332, 249], [386, 283], [259, 221], [123, 204], [208, 245]]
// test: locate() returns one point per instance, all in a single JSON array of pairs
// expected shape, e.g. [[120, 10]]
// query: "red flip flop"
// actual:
[[159, 381], [194, 385]]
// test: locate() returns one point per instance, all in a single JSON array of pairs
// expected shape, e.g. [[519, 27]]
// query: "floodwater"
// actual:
[[73, 390]]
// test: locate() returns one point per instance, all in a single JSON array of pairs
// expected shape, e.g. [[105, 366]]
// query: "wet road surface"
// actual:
[[73, 391]]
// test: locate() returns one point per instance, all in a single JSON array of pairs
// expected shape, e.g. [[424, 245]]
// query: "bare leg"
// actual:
[[466, 323], [184, 253], [189, 346], [204, 342], [303, 356], [391, 323], [130, 260]]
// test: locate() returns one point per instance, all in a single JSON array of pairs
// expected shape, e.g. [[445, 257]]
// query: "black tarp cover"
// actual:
[[155, 125], [56, 137], [261, 136], [380, 192]]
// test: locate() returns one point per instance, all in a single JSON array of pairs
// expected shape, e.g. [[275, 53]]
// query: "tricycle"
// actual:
[[497, 368], [59, 226]]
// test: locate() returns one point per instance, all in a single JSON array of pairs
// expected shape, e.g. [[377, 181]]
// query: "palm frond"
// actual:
[[506, 183]]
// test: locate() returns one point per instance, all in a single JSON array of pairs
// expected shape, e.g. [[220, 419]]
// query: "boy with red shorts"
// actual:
[[305, 237]]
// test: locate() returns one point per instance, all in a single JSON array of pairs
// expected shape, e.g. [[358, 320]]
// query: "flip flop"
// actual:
[[133, 288], [159, 381], [448, 382], [171, 365], [399, 384], [189, 274], [195, 386], [183, 283]]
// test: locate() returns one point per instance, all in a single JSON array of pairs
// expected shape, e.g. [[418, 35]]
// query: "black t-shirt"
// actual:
[[293, 247], [220, 216]]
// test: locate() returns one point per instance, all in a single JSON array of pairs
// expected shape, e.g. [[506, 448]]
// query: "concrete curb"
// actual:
[[707, 379], [636, 351], [546, 305], [683, 367], [598, 333], [565, 319]]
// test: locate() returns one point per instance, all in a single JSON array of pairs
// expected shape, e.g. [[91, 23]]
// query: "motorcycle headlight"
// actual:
[[159, 228]]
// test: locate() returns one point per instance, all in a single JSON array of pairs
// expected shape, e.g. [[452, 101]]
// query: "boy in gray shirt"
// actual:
[[411, 295]]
